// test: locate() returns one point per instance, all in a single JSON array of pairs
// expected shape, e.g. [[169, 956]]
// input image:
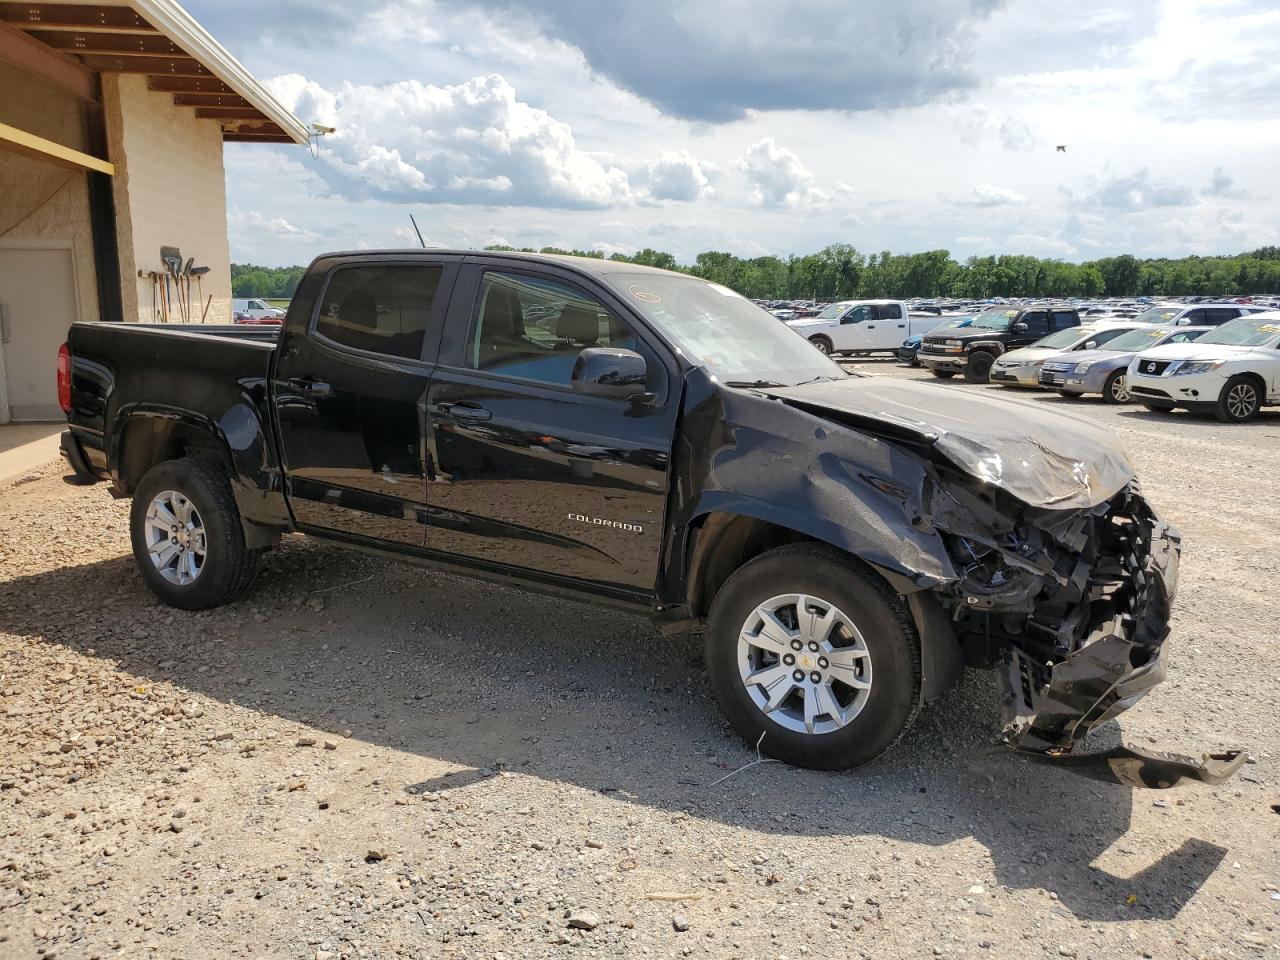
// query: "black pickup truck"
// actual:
[[642, 438], [973, 350]]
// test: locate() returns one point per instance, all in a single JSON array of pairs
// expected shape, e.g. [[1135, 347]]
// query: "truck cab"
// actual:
[[860, 326]]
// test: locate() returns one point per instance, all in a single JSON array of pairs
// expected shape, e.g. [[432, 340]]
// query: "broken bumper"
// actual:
[[1053, 702]]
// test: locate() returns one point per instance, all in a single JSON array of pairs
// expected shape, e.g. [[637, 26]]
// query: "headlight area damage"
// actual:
[[1063, 575], [1073, 608]]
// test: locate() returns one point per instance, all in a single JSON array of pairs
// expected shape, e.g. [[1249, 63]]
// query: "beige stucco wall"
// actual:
[[41, 200], [170, 190]]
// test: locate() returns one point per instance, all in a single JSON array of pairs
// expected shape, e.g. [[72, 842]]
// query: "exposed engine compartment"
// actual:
[[1072, 605]]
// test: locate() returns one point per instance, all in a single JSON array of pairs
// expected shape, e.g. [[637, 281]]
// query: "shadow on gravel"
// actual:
[[491, 679]]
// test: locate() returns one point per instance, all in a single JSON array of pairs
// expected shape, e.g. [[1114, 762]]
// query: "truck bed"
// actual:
[[120, 367]]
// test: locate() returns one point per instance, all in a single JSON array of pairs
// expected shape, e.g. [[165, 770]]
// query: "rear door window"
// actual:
[[380, 309], [1217, 315], [888, 311], [1062, 319]]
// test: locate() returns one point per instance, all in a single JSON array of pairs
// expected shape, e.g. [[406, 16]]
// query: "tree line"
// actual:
[[842, 272]]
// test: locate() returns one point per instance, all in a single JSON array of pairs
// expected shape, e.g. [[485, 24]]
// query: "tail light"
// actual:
[[64, 379]]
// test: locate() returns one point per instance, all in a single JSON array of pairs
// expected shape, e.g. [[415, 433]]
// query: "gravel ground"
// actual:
[[364, 759]]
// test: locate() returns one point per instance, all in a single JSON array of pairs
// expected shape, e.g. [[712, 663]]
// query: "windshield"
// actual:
[[833, 312], [1064, 338], [994, 319], [1158, 315], [724, 332], [1136, 340], [953, 324], [1244, 332]]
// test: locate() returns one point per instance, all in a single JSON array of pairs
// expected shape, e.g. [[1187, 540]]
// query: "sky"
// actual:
[[759, 127]]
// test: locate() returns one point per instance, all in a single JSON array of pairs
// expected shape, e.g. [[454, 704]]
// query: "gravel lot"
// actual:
[[364, 759]]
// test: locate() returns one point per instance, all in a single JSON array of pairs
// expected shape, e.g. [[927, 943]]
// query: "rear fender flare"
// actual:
[[239, 439]]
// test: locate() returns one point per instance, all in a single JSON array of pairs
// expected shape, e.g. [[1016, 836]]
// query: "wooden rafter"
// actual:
[[64, 16], [214, 100], [81, 42]]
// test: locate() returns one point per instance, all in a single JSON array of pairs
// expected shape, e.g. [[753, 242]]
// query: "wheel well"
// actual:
[[820, 336], [147, 441], [1256, 379]]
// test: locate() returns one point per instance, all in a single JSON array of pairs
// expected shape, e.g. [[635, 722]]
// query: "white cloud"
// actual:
[[277, 227], [472, 142], [676, 175], [777, 178], [1139, 190], [987, 195]]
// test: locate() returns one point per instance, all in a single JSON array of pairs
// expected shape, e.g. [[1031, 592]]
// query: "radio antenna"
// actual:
[[417, 231]]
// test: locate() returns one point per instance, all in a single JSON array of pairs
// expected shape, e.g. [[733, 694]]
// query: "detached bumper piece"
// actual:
[[1147, 769]]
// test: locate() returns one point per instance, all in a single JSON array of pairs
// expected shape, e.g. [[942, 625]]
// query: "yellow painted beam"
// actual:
[[32, 145]]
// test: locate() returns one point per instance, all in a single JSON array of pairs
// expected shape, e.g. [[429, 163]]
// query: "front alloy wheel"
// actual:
[[791, 640], [1239, 401], [804, 663], [1116, 389]]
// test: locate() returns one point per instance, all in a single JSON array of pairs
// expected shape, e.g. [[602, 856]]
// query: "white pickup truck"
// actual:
[[253, 310], [863, 326]]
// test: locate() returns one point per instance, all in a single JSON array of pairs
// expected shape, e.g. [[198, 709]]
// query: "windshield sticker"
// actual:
[[645, 295], [1269, 328], [724, 291], [1156, 333]]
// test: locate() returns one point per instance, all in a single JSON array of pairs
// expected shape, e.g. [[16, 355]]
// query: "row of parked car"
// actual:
[[1222, 359]]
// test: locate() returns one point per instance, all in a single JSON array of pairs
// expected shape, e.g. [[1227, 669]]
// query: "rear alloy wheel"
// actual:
[[1240, 400], [1116, 389], [809, 652], [978, 369], [823, 344], [188, 542]]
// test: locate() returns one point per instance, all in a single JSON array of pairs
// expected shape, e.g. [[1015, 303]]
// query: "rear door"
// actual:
[[530, 476], [890, 327], [350, 390]]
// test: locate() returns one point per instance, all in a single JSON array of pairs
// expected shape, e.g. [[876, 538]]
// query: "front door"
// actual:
[[37, 307], [857, 329], [529, 475], [350, 392], [1037, 326]]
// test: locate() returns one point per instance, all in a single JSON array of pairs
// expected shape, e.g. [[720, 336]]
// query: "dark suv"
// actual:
[[973, 350]]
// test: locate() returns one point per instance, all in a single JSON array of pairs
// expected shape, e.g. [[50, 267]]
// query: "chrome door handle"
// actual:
[[315, 388], [465, 411]]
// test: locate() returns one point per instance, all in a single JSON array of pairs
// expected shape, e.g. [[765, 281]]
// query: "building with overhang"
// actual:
[[113, 116]]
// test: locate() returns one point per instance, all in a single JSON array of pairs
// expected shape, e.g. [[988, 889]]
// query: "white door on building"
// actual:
[[37, 306]]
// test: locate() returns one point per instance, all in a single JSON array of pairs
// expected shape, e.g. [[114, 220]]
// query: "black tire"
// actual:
[[1068, 395], [1240, 400], [1157, 407], [228, 566], [943, 374], [978, 369], [915, 363], [822, 343], [815, 570], [1115, 390]]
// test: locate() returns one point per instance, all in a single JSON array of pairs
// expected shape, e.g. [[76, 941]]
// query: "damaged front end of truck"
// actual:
[[1061, 574]]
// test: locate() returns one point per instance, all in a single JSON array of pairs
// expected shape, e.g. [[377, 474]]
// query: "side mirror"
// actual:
[[1091, 345], [609, 372], [1020, 327]]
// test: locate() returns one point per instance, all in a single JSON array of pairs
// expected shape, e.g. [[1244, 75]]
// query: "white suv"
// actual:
[[1231, 371]]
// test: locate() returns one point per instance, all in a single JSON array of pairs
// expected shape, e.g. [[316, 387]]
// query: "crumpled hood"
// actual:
[[1044, 458]]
